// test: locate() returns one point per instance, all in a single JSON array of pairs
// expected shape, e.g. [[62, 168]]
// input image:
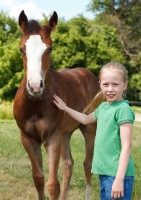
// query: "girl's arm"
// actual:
[[126, 142], [80, 117]]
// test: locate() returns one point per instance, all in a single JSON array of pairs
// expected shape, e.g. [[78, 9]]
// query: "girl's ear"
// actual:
[[125, 85]]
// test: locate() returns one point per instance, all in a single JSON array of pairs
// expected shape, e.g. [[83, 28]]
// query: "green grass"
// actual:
[[15, 170], [136, 109]]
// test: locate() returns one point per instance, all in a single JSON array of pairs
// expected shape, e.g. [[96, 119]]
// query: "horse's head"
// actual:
[[36, 46]]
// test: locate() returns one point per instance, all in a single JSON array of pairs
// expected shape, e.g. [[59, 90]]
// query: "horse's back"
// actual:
[[80, 83]]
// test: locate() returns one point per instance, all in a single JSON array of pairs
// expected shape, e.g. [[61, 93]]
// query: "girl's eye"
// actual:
[[21, 50]]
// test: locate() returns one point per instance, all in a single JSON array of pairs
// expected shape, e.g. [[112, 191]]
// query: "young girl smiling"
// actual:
[[112, 160]]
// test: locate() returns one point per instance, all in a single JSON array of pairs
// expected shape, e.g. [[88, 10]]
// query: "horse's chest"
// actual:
[[36, 127], [35, 118]]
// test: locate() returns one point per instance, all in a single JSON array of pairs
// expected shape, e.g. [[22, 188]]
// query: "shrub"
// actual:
[[6, 110]]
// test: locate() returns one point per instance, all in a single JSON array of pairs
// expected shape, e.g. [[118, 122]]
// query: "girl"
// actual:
[[112, 160]]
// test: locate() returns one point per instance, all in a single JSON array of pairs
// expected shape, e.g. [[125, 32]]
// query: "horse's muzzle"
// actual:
[[35, 89]]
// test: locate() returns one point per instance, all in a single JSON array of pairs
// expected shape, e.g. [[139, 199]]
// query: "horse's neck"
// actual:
[[52, 75]]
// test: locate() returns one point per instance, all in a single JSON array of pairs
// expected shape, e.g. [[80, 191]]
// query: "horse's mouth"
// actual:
[[35, 94]]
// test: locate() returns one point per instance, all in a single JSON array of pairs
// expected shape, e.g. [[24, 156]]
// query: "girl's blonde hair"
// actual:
[[99, 98]]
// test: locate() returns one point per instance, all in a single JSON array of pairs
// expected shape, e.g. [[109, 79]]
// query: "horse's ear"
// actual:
[[22, 20], [51, 25]]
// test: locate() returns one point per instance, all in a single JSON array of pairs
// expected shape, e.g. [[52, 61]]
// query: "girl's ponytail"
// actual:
[[96, 101]]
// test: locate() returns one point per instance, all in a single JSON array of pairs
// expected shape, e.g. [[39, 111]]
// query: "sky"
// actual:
[[34, 8]]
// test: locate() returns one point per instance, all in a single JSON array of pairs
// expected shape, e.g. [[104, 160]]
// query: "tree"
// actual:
[[10, 60], [82, 42], [124, 15]]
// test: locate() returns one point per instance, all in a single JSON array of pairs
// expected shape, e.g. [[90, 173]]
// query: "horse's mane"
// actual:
[[32, 27]]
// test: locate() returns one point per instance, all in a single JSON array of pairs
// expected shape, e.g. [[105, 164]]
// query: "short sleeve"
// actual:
[[125, 114], [96, 113]]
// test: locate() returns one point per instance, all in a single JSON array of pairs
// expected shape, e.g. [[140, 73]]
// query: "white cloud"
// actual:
[[14, 8], [30, 9], [7, 2]]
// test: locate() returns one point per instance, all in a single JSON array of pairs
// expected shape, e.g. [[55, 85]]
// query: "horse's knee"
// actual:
[[67, 166], [39, 181], [69, 163], [53, 190]]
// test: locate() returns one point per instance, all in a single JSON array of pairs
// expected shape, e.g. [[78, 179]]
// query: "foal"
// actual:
[[39, 120]]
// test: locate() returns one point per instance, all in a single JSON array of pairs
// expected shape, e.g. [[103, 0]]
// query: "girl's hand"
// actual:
[[58, 102], [117, 189]]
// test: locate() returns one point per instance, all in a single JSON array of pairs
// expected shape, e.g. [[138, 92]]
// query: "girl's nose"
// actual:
[[110, 88]]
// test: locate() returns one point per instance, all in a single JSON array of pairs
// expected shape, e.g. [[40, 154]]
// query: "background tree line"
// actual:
[[113, 35]]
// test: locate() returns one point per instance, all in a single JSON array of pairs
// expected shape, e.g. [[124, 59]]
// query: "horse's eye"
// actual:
[[49, 50], [21, 50]]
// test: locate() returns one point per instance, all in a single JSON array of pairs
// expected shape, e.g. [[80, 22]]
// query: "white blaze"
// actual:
[[34, 51]]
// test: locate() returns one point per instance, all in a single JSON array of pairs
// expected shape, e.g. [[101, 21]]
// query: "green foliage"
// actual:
[[69, 44], [10, 60], [81, 42], [10, 70], [103, 47], [125, 18], [8, 29], [6, 110], [135, 85]]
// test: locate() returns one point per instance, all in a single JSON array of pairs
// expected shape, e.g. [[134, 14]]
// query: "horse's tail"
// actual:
[[96, 101]]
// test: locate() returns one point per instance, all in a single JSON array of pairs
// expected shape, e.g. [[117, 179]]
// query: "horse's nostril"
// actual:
[[41, 84], [30, 88]]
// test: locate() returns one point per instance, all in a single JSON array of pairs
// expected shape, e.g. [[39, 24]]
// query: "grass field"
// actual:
[[15, 171]]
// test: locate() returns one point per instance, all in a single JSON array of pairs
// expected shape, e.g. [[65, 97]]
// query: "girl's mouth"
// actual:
[[110, 96]]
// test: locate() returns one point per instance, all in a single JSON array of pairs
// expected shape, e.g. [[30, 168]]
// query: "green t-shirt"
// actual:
[[107, 146]]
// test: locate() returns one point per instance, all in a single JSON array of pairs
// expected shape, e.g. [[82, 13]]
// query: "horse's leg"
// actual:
[[89, 136], [67, 164], [53, 149], [33, 149]]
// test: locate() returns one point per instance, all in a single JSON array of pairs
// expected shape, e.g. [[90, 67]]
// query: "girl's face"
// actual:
[[112, 85]]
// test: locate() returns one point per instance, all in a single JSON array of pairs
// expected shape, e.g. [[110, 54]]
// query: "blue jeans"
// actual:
[[106, 183]]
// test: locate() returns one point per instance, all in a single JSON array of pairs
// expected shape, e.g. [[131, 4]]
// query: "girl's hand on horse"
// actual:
[[58, 102], [80, 117]]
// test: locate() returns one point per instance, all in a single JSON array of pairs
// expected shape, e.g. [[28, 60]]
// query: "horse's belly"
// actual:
[[69, 125]]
